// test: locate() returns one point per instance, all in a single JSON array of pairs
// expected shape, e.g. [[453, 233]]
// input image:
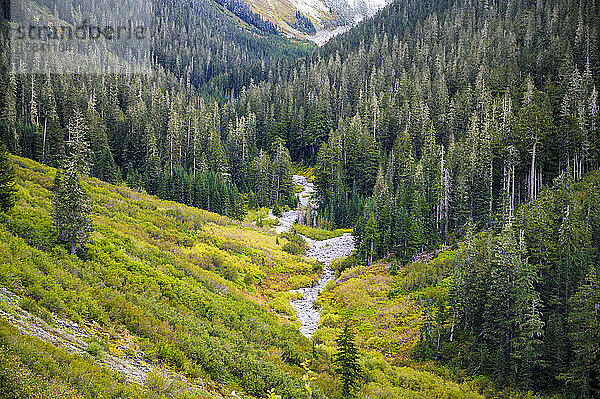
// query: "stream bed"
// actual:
[[324, 251]]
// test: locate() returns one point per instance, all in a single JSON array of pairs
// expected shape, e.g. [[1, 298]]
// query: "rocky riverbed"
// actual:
[[287, 219], [325, 251]]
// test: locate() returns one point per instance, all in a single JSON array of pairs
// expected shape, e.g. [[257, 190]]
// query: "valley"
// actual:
[[328, 18], [172, 300], [289, 199]]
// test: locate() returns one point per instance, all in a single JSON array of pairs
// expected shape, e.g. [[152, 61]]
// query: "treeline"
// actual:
[[523, 303], [465, 110], [188, 38], [201, 44], [157, 132], [142, 130]]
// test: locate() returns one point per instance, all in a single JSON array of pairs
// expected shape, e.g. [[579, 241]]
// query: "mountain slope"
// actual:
[[155, 271], [165, 303], [283, 13], [326, 17], [357, 10]]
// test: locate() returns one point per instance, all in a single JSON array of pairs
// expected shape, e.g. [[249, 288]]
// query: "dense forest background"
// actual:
[[427, 124]]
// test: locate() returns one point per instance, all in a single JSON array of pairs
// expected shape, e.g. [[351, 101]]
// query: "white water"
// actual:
[[324, 251]]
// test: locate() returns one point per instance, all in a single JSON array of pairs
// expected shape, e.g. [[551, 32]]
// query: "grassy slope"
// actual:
[[155, 270], [386, 311], [361, 295], [155, 275]]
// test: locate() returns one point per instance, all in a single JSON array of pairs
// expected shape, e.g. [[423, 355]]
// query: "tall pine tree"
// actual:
[[7, 181], [71, 202], [346, 361]]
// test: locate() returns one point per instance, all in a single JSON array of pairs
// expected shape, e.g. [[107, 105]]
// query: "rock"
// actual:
[[69, 336], [325, 251]]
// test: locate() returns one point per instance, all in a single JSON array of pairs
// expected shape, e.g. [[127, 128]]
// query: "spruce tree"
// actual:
[[370, 239], [584, 325], [281, 182], [346, 361], [71, 202], [7, 181]]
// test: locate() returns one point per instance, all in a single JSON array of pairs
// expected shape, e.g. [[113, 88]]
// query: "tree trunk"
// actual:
[[532, 173], [44, 143], [195, 141], [452, 328], [187, 149], [491, 191], [512, 196], [278, 181], [171, 156]]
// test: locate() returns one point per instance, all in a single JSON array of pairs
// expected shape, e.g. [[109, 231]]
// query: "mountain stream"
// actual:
[[325, 251]]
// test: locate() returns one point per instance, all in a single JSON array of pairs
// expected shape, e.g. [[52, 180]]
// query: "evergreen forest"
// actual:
[[457, 141]]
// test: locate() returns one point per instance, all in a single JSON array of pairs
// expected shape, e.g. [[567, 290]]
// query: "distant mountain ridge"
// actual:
[[325, 15]]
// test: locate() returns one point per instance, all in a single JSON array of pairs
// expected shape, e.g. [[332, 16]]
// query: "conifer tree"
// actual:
[[215, 153], [7, 181], [346, 361], [529, 324], [153, 174], [584, 325], [261, 178], [282, 184], [9, 112], [71, 202]]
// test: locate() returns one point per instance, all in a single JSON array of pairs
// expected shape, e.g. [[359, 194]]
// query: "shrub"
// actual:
[[230, 272], [94, 348], [160, 383], [422, 274], [249, 279], [281, 303], [217, 262], [300, 281], [260, 217], [319, 234], [28, 305], [296, 245], [339, 265], [291, 248], [318, 266]]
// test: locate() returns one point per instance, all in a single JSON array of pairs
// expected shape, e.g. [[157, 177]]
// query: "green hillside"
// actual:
[[458, 142], [183, 282], [168, 301]]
